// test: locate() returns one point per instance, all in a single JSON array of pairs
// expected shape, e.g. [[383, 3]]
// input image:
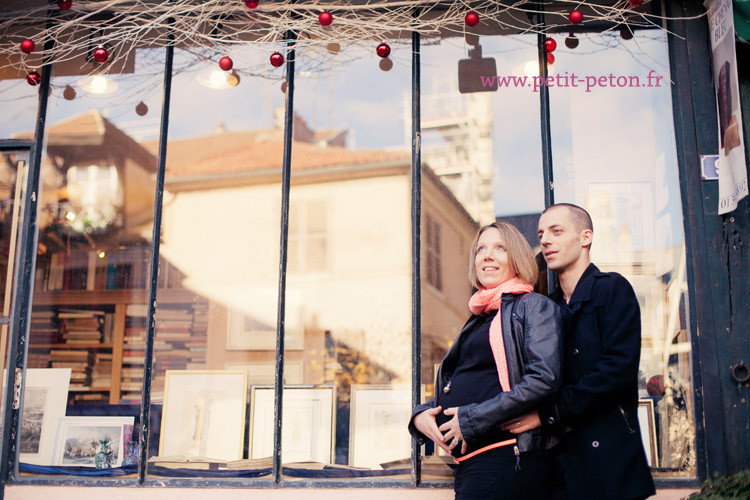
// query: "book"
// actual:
[[183, 462]]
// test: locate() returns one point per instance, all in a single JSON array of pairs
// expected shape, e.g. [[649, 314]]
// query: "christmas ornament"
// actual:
[[226, 63], [252, 4], [471, 19], [101, 55], [34, 78], [64, 4], [383, 50], [550, 58], [277, 59], [333, 48], [625, 32], [141, 109], [386, 64], [575, 16], [636, 3], [655, 386], [28, 46], [571, 41], [325, 18], [69, 93], [283, 87], [550, 44], [233, 79]]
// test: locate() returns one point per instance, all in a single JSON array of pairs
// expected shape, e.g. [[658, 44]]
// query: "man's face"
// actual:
[[561, 241]]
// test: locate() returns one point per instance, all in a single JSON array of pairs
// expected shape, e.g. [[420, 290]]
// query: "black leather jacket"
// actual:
[[532, 335]]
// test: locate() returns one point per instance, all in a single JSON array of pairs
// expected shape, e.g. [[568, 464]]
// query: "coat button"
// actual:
[[575, 352], [551, 420], [595, 444]]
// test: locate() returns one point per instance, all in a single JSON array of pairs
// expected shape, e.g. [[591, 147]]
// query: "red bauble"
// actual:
[[64, 4], [550, 58], [575, 17], [34, 78], [226, 63], [101, 55], [655, 386], [28, 46], [471, 19], [325, 18], [141, 109], [383, 50], [636, 3], [550, 44], [277, 59], [252, 4]]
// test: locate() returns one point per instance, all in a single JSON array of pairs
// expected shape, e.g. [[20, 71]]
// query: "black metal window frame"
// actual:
[[23, 291]]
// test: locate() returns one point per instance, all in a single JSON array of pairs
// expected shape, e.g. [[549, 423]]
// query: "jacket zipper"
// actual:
[[518, 457], [625, 416]]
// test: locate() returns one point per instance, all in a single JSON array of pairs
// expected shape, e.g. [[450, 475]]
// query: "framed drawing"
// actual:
[[79, 439], [204, 414], [44, 401], [307, 428], [379, 415], [253, 325], [648, 430], [264, 372]]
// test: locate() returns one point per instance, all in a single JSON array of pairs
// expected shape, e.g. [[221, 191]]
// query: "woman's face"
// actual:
[[491, 261]]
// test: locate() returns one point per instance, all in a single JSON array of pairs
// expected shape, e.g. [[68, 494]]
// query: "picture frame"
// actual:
[[77, 438], [308, 427], [264, 372], [647, 423], [379, 416], [44, 402], [203, 414]]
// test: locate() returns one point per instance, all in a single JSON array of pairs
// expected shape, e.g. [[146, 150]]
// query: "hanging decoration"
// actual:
[[277, 59], [386, 64], [635, 3], [325, 18], [101, 55], [571, 41], [383, 50], [34, 78], [252, 4], [471, 19], [141, 109], [575, 17], [550, 58], [64, 4], [28, 46], [550, 44], [226, 63], [69, 93], [625, 32]]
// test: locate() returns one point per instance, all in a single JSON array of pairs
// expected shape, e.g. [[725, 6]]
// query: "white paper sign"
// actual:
[[732, 169]]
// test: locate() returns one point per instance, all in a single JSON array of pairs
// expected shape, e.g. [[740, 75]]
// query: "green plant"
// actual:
[[725, 487]]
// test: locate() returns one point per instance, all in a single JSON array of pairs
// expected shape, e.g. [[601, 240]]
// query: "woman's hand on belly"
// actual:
[[451, 431], [426, 424]]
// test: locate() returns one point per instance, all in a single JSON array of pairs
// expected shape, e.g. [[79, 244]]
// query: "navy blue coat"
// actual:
[[602, 450]]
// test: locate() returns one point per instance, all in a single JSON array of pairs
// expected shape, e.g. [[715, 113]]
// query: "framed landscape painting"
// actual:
[[79, 439]]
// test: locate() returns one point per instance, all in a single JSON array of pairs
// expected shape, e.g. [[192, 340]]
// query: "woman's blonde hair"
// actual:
[[520, 256]]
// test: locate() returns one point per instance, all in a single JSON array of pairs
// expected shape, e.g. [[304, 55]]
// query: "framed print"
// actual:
[[648, 430], [79, 439], [44, 401], [253, 325], [378, 432], [203, 414], [264, 372], [307, 428]]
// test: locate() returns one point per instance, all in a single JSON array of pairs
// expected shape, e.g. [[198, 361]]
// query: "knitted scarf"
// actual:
[[488, 299]]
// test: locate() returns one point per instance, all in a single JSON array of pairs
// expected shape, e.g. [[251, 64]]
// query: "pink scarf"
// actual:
[[488, 299]]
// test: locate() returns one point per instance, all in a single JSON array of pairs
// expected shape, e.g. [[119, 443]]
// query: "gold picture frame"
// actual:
[[647, 422]]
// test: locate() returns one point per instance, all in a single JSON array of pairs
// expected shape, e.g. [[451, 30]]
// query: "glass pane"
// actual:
[[95, 221], [216, 311], [620, 164], [485, 147], [348, 318]]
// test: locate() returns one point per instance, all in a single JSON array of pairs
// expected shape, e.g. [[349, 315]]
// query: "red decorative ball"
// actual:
[[325, 18], [28, 46], [655, 386], [252, 4], [101, 55], [34, 78], [226, 63], [550, 58], [277, 59], [383, 50], [471, 19], [550, 44], [575, 16], [141, 109], [64, 4], [636, 3]]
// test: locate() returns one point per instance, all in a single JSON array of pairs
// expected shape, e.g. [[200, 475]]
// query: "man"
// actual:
[[601, 453]]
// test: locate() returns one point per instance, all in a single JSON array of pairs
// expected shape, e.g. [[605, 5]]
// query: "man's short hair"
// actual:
[[580, 217]]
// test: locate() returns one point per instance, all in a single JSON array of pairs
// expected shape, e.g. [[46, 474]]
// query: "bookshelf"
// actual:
[[109, 367]]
